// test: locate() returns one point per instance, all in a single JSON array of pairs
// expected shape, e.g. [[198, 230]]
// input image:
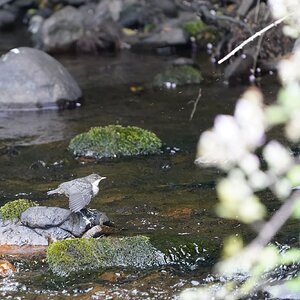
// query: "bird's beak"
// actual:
[[102, 178]]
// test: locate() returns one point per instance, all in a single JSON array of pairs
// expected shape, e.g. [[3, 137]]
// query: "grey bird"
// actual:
[[80, 191]]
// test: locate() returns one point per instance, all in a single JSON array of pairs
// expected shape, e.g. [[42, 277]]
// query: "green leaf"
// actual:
[[294, 284], [275, 115], [293, 175], [296, 209]]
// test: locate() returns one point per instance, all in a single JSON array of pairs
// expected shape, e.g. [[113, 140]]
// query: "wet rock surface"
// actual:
[[40, 225], [31, 79]]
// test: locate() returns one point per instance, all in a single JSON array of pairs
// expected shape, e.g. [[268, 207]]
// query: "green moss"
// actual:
[[194, 27], [13, 209], [74, 255], [115, 141], [202, 32], [180, 75]]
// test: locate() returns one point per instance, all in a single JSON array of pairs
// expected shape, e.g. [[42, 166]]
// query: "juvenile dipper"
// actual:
[[80, 191]]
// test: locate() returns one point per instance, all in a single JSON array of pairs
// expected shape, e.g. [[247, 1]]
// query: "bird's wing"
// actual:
[[77, 201], [80, 195]]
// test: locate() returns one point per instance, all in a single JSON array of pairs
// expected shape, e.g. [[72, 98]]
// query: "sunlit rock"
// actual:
[[31, 79]]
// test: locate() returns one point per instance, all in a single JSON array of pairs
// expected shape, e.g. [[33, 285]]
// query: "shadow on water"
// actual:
[[162, 196]]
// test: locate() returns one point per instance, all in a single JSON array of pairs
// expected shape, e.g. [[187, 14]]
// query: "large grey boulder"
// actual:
[[62, 30], [31, 79]]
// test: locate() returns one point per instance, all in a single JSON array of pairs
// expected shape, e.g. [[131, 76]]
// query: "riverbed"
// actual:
[[166, 196]]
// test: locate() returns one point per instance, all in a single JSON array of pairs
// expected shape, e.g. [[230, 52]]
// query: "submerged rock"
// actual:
[[75, 255], [177, 76], [31, 79], [115, 141]]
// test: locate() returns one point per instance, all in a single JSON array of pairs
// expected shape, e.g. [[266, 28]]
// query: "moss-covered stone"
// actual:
[[75, 255], [194, 27], [178, 75], [202, 32], [13, 209], [115, 141]]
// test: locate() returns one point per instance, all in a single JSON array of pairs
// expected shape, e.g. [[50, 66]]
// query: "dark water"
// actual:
[[162, 196]]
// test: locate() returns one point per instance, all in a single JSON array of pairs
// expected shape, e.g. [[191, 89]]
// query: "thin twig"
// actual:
[[252, 38], [276, 222], [195, 104]]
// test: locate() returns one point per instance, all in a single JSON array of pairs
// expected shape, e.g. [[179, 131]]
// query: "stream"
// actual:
[[166, 197]]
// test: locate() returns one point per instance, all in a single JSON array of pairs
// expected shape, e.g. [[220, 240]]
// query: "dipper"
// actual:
[[80, 191]]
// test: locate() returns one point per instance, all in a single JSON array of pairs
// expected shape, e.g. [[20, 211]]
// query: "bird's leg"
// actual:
[[87, 221]]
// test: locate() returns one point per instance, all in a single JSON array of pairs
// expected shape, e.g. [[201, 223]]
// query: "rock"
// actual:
[[43, 216], [132, 16], [108, 9], [61, 31], [6, 268], [39, 225], [7, 19], [166, 37], [60, 218], [177, 76], [115, 141], [168, 7], [13, 233], [75, 255], [106, 35], [54, 233], [31, 79]]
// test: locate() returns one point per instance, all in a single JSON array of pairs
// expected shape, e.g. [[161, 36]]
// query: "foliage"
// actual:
[[234, 145], [74, 255], [115, 141], [13, 209], [194, 27], [178, 75], [202, 32]]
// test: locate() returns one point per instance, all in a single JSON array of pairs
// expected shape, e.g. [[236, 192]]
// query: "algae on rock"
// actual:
[[13, 209], [178, 75], [74, 255], [115, 141]]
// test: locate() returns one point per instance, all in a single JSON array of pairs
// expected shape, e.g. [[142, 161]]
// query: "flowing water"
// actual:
[[163, 196]]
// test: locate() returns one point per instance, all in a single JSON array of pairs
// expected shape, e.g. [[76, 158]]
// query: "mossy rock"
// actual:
[[178, 75], [75, 255], [202, 32], [194, 27], [115, 141], [13, 209]]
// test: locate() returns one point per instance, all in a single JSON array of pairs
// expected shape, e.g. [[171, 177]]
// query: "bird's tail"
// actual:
[[56, 191]]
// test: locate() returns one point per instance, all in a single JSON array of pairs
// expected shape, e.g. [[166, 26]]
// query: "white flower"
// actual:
[[278, 157]]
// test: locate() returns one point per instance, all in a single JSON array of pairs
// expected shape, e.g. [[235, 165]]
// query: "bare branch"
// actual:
[[195, 104], [252, 38]]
